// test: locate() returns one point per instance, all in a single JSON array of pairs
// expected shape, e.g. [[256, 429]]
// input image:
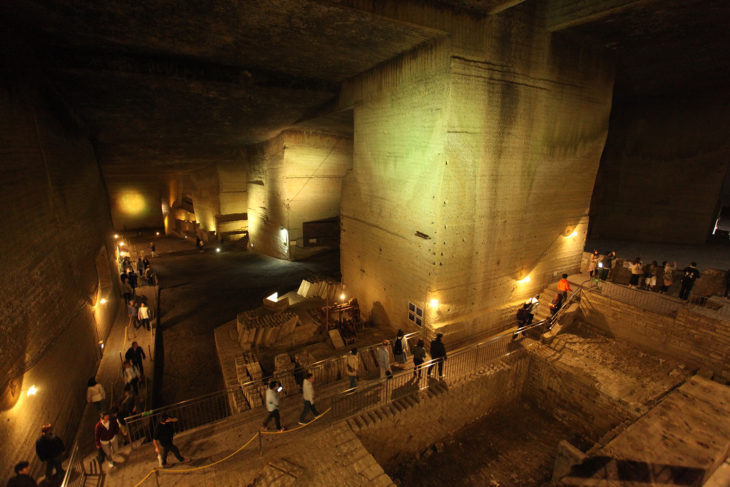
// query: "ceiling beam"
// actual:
[[563, 14]]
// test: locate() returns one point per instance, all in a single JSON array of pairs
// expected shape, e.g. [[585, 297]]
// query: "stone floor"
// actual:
[[200, 291]]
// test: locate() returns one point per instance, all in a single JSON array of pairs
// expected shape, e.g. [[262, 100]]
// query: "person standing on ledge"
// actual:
[[272, 406], [564, 286], [22, 476], [308, 395], [382, 355], [352, 363], [143, 315], [49, 449], [438, 354], [689, 276], [164, 432], [593, 264]]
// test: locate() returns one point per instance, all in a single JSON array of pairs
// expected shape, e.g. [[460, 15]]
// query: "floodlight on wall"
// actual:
[[274, 297], [102, 301], [524, 280], [122, 244], [157, 233], [217, 249], [116, 236], [434, 303], [32, 391], [342, 296]]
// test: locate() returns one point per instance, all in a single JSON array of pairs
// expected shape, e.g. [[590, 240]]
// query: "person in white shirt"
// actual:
[[308, 395], [143, 315], [272, 405], [352, 363], [96, 395]]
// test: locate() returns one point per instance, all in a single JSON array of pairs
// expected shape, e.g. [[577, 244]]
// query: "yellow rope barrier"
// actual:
[[202, 467]]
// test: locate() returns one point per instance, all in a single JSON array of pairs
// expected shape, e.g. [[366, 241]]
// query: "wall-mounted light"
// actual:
[[116, 236], [101, 344], [218, 249], [524, 280], [102, 301], [434, 303], [157, 233], [186, 236], [32, 391], [342, 296], [573, 234], [121, 244]]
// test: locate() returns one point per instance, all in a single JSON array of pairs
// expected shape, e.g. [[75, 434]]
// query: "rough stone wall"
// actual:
[[488, 143], [663, 168], [293, 178], [690, 338], [398, 438], [572, 397], [232, 182], [134, 201], [203, 187], [56, 221]]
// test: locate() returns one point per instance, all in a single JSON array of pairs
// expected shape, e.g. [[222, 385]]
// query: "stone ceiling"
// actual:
[[163, 85]]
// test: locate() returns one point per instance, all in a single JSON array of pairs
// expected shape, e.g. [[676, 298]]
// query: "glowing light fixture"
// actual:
[[121, 244], [116, 235], [101, 344], [157, 233], [132, 203], [32, 391], [434, 303], [524, 280], [342, 296], [274, 297], [218, 249], [186, 236], [575, 233], [102, 301], [600, 265]]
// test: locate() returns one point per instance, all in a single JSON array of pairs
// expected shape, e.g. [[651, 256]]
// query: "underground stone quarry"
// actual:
[[291, 180]]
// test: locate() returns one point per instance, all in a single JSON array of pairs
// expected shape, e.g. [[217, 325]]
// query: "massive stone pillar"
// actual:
[[474, 163], [294, 178]]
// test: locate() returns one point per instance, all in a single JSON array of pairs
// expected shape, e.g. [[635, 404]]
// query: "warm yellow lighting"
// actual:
[[132, 203], [102, 300], [116, 236], [121, 244], [32, 390], [218, 249], [274, 297], [157, 233], [524, 280], [575, 233], [434, 303], [342, 297]]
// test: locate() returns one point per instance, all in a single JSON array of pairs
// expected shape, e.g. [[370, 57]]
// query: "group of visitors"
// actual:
[[272, 402], [401, 350], [139, 315], [50, 449], [647, 276]]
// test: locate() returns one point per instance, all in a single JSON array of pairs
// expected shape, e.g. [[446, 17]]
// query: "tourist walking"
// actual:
[[308, 396], [352, 364], [607, 264], [689, 276], [636, 271], [162, 437], [49, 449], [419, 356], [105, 437], [143, 315], [152, 249], [22, 476], [438, 355], [383, 357], [668, 277], [272, 405], [593, 264], [556, 304], [132, 312], [95, 395], [131, 376], [136, 355], [564, 286], [400, 349], [132, 277]]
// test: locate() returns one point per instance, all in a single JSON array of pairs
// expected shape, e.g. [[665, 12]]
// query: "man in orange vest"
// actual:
[[564, 286]]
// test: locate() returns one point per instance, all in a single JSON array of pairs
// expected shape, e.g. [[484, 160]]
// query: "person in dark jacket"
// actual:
[[689, 275], [22, 476], [105, 437], [164, 432], [49, 449], [419, 355], [438, 354], [136, 355]]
